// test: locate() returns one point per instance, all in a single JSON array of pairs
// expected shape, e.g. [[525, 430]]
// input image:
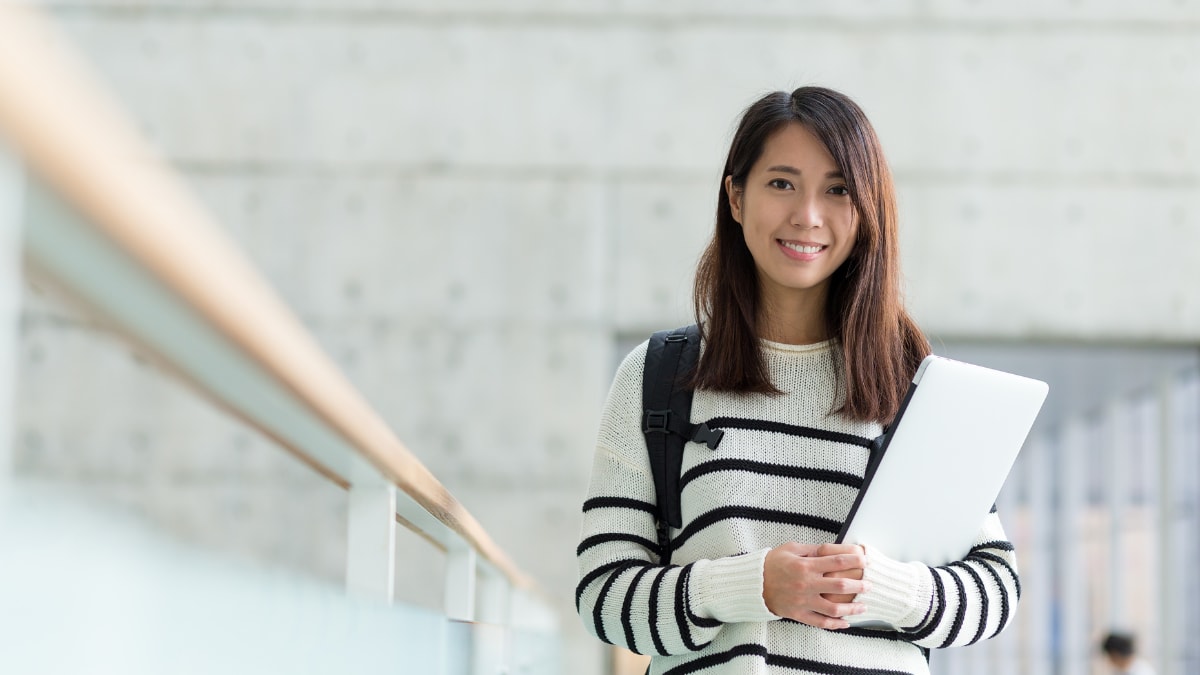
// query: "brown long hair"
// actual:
[[881, 346]]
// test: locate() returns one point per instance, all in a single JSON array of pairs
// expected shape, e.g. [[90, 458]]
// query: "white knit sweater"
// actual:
[[778, 475]]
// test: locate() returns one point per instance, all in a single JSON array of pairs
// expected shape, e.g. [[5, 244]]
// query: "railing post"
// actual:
[[371, 541], [494, 599], [493, 649], [12, 192], [461, 568]]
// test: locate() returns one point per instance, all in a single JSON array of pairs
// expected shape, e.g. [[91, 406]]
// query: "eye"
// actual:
[[780, 184], [840, 190]]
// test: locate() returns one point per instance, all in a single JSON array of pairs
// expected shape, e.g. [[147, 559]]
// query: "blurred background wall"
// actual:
[[477, 207]]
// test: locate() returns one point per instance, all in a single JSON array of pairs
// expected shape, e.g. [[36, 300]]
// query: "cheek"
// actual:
[[754, 244], [758, 244], [850, 235], [849, 242]]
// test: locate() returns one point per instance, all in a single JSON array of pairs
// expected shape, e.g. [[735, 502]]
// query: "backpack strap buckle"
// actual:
[[710, 437], [656, 422]]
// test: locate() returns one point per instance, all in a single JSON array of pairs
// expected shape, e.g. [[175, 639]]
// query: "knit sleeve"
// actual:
[[953, 605], [625, 596]]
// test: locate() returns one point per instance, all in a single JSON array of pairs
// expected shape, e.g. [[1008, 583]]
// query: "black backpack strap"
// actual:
[[666, 419]]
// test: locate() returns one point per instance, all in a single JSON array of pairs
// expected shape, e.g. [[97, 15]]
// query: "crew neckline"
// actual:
[[798, 349]]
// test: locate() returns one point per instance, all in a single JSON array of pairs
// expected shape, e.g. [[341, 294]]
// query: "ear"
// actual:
[[735, 199]]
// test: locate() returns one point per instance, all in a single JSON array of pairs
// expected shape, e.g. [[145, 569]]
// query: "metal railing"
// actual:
[[142, 255]]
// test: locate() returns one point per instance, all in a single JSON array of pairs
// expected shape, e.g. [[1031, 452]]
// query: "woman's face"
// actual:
[[796, 215]]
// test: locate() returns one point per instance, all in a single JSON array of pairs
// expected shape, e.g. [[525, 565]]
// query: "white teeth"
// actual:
[[803, 249]]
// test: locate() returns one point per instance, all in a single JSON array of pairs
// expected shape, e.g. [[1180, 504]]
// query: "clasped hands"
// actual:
[[815, 584]]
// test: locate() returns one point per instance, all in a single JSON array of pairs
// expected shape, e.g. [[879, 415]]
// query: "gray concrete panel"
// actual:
[[452, 246], [1054, 262]]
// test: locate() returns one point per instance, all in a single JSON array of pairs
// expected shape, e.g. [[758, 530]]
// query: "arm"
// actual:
[[626, 597], [956, 604]]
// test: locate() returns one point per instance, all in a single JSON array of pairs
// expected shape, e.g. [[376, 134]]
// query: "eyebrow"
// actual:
[[783, 168]]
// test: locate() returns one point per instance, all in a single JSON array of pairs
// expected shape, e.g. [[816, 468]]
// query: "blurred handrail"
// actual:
[[76, 139]]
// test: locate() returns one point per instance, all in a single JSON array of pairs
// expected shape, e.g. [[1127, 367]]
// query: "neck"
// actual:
[[795, 318]]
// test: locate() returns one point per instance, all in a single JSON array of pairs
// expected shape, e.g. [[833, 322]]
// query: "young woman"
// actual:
[[807, 351]]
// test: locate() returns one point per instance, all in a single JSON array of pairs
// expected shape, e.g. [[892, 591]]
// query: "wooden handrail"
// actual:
[[77, 140]]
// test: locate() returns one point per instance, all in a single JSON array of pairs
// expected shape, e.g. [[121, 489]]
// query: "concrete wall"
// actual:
[[468, 202]]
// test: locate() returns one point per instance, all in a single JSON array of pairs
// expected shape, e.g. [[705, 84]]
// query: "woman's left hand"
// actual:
[[855, 573]]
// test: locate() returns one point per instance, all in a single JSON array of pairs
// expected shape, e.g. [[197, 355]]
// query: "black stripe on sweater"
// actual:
[[687, 604], [789, 429], [681, 620], [879, 633], [753, 513], [627, 610], [597, 539], [601, 571], [829, 668], [912, 637], [598, 608], [658, 643], [956, 627], [1003, 599], [983, 555], [619, 503], [940, 597], [791, 662], [983, 604], [768, 469], [710, 660], [998, 544], [896, 635]]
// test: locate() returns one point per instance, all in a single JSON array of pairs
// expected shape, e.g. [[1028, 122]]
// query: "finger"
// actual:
[[840, 562], [836, 549], [837, 609], [841, 586], [817, 620], [844, 574]]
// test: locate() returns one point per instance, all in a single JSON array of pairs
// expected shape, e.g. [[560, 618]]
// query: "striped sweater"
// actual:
[[787, 470]]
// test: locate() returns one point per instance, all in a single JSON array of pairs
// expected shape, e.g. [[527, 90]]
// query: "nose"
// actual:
[[807, 212]]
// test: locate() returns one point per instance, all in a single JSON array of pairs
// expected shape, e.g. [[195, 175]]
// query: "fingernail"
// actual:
[[866, 587]]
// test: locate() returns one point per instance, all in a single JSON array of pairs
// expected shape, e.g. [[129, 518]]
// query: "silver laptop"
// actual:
[[943, 461]]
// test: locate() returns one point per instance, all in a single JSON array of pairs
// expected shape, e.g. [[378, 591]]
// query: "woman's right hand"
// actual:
[[794, 581]]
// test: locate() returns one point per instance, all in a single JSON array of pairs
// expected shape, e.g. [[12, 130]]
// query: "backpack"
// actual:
[[666, 421]]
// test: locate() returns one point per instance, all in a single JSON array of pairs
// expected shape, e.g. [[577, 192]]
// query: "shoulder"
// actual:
[[620, 424], [632, 365], [627, 382]]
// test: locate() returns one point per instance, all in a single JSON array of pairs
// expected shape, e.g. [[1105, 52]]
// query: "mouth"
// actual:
[[801, 250]]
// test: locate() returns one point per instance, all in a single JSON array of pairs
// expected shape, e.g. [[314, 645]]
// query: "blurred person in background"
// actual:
[[1121, 651], [807, 353]]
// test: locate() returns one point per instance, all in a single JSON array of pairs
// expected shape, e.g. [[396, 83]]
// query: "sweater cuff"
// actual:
[[730, 590], [900, 592]]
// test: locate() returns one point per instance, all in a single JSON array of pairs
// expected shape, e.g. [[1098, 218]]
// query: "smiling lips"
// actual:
[[801, 250]]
